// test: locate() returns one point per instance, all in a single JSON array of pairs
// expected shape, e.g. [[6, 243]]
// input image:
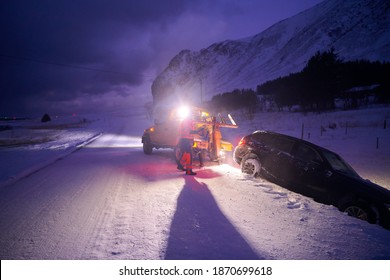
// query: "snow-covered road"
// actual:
[[108, 200]]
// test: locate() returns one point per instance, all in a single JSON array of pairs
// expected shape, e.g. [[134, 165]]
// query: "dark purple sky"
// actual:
[[65, 56]]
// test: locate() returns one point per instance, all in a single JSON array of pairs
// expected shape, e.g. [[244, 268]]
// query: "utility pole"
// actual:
[[201, 90]]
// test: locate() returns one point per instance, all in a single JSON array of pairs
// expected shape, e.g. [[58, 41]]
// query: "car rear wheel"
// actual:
[[251, 165], [360, 211]]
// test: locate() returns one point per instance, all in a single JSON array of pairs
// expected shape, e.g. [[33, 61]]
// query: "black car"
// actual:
[[313, 171]]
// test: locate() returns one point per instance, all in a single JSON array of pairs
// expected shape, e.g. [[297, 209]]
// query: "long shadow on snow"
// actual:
[[200, 230]]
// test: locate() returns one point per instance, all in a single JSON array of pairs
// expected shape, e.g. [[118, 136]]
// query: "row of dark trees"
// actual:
[[324, 79], [237, 99]]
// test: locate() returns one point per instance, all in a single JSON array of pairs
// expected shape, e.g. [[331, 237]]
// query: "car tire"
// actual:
[[147, 147], [251, 165], [359, 210]]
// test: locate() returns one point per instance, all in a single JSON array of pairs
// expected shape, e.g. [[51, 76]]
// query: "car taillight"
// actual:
[[242, 142]]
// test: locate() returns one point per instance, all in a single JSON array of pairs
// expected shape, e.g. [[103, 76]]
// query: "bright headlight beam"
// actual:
[[183, 112]]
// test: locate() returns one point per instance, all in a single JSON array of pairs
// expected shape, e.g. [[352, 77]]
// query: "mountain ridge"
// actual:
[[354, 29]]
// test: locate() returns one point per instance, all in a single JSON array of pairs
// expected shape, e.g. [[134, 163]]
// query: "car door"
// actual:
[[311, 176], [282, 159], [262, 145]]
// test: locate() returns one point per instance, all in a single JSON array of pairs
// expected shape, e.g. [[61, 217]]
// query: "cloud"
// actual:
[[62, 53], [55, 50]]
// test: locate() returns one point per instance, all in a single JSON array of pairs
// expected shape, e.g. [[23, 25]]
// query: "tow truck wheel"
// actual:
[[148, 148]]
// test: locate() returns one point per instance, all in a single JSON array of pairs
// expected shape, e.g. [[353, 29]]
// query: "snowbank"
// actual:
[[29, 145], [118, 203]]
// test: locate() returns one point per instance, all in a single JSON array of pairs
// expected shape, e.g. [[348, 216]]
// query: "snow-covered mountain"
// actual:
[[355, 29]]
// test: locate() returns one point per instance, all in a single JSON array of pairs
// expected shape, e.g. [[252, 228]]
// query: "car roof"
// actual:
[[292, 138]]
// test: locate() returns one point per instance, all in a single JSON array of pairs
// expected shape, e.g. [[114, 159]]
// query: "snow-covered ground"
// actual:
[[83, 189]]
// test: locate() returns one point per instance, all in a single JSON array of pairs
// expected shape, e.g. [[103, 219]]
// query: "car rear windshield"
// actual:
[[274, 141]]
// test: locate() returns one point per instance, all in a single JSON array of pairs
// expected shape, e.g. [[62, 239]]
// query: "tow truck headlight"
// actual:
[[183, 112]]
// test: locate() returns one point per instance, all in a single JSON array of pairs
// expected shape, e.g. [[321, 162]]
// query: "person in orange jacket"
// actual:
[[186, 143]]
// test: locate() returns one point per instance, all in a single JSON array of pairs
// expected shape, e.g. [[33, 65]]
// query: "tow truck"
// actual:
[[208, 142]]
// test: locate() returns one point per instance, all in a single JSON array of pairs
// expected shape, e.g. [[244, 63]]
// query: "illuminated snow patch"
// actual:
[[116, 141]]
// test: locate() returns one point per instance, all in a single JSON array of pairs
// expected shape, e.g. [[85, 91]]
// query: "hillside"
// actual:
[[355, 29]]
